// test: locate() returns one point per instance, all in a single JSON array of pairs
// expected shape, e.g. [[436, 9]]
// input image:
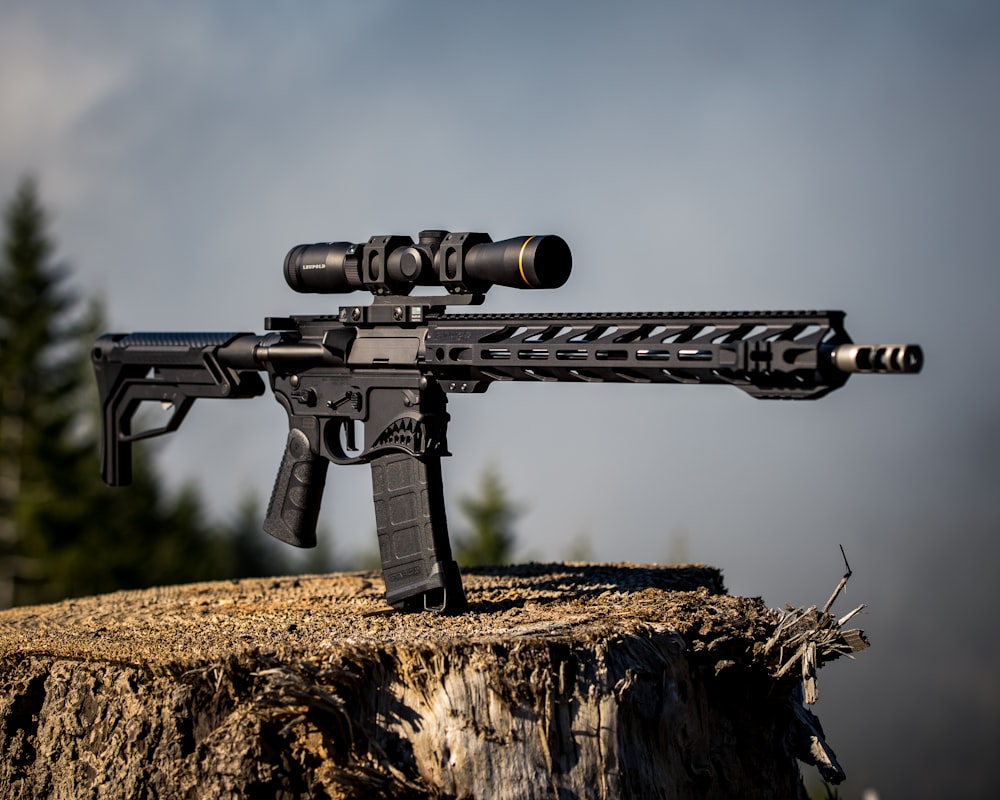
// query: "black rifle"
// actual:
[[388, 367]]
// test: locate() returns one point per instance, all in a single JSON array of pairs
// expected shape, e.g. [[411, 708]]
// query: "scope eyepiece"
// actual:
[[464, 263], [321, 268]]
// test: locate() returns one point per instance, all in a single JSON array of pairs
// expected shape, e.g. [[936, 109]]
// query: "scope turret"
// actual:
[[463, 263]]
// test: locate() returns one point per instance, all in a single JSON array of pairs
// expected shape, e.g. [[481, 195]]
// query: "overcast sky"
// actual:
[[695, 156]]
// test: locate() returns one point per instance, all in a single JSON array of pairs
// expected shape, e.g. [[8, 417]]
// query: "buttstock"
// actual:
[[171, 369]]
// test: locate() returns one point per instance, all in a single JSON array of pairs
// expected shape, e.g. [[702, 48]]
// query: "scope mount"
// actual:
[[407, 308]]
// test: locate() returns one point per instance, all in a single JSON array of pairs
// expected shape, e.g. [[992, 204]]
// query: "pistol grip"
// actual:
[[298, 493], [413, 535]]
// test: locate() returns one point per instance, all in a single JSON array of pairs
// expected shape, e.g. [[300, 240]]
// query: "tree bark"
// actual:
[[563, 681]]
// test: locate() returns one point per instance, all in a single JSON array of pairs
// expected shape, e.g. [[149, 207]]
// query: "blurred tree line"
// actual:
[[489, 515], [63, 533]]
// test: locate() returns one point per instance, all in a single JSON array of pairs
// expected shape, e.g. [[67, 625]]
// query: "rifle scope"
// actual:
[[461, 262]]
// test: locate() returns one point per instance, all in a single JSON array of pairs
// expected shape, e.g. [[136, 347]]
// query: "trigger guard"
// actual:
[[333, 448], [408, 433]]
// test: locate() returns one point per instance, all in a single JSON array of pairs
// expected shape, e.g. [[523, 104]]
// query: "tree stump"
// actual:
[[562, 681]]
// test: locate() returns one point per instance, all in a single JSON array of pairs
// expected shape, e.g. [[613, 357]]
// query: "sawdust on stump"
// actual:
[[563, 681]]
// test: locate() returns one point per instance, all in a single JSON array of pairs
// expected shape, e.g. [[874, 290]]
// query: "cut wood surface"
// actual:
[[562, 681]]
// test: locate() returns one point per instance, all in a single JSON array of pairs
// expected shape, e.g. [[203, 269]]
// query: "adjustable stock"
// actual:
[[172, 369]]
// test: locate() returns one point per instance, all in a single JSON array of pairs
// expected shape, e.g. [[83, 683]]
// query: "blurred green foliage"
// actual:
[[489, 516], [63, 533]]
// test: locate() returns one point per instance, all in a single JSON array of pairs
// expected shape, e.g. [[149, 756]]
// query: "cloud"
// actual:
[[48, 87]]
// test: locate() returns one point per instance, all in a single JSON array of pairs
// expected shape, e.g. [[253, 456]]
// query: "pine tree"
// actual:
[[38, 377], [62, 531], [490, 517]]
